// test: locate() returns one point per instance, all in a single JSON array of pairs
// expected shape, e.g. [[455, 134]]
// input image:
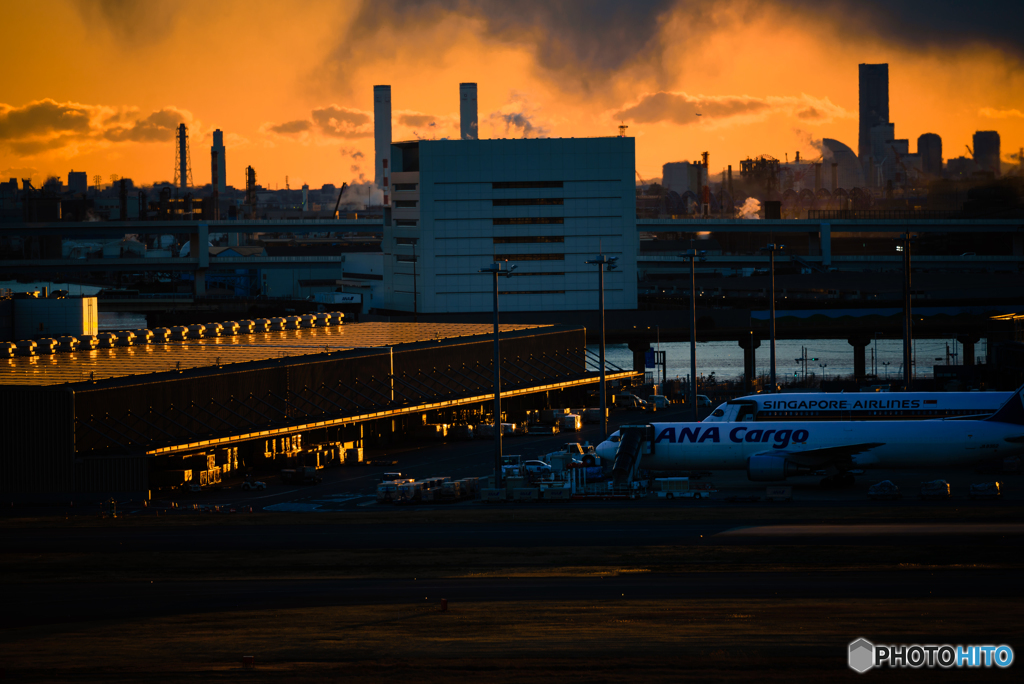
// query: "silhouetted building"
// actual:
[[470, 129], [874, 104], [78, 181], [381, 134], [986, 151], [929, 147], [850, 174]]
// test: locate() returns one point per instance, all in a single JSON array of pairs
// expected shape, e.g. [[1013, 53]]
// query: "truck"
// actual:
[[571, 422], [305, 475]]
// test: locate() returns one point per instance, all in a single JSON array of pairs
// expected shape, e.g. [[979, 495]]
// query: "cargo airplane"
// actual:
[[771, 451]]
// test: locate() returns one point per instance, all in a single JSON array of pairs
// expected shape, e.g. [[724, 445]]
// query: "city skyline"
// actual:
[[292, 92]]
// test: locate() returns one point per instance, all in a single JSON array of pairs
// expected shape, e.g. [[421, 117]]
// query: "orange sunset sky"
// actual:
[[98, 86]]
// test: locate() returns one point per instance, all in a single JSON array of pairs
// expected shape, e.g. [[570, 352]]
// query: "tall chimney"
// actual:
[[381, 133], [182, 156], [218, 161], [468, 112]]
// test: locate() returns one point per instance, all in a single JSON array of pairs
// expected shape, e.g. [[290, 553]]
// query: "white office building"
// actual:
[[545, 205]]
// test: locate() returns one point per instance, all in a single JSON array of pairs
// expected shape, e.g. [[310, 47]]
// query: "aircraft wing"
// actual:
[[815, 458]]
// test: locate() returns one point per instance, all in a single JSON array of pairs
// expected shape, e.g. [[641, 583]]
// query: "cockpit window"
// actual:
[[614, 438], [718, 413]]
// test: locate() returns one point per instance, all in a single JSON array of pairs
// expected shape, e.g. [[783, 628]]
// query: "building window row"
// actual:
[[526, 239], [405, 258], [406, 240], [406, 222], [524, 185], [527, 202], [529, 257], [531, 220], [399, 187], [406, 204]]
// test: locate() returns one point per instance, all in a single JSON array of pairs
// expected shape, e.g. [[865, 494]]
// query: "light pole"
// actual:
[[823, 366], [497, 268], [691, 255], [886, 365], [904, 241], [603, 263], [771, 249]]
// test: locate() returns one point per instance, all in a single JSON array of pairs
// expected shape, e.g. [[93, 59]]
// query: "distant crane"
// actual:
[[969, 151], [643, 184]]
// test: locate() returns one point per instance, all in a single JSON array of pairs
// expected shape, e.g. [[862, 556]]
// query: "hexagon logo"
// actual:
[[862, 655]]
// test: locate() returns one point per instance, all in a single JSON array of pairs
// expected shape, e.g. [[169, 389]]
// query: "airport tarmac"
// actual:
[[353, 488]]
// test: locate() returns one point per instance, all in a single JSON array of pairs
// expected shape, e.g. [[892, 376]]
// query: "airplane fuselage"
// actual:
[[899, 444]]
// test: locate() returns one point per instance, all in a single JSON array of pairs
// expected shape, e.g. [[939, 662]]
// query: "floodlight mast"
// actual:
[[497, 268], [603, 262], [691, 255]]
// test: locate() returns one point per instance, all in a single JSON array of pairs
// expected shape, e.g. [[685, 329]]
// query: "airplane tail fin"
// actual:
[[1012, 411]]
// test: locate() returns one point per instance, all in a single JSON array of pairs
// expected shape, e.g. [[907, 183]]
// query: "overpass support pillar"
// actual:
[[199, 248], [968, 341], [748, 343], [640, 349], [813, 244], [826, 245], [859, 342]]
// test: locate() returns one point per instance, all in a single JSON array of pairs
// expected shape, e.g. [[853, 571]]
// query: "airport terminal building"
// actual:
[[545, 205]]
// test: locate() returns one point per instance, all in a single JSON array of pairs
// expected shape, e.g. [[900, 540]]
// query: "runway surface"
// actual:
[[69, 603]]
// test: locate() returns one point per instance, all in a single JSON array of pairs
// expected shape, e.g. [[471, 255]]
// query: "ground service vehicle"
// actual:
[[886, 490], [305, 475], [986, 490], [254, 485], [571, 423], [936, 489]]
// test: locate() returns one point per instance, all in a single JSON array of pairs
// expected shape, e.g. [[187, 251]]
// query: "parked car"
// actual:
[[250, 485], [703, 400], [884, 490], [987, 490], [936, 489], [537, 468]]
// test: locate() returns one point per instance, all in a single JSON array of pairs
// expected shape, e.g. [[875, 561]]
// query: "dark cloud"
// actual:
[[28, 148], [577, 39], [416, 120], [44, 117], [157, 127], [580, 43], [342, 122], [949, 24], [683, 109], [290, 127], [809, 113], [131, 21]]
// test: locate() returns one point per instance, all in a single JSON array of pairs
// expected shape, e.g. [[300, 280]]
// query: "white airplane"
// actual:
[[819, 406], [773, 450]]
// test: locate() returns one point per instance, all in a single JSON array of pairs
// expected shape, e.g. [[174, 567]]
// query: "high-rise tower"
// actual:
[[183, 161], [467, 111], [929, 148], [874, 104], [986, 151], [218, 171], [381, 134]]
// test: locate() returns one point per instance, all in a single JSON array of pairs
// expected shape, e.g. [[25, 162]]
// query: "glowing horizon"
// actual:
[[103, 85]]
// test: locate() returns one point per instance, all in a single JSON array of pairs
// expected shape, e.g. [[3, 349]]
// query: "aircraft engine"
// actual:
[[771, 468]]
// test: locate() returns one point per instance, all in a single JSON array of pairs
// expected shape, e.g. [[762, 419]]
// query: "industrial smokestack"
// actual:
[[218, 170], [468, 111], [381, 134], [183, 167]]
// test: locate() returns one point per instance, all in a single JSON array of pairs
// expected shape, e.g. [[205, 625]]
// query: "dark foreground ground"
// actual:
[[605, 593]]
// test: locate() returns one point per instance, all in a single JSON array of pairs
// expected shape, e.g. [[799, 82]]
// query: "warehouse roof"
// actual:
[[119, 362]]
